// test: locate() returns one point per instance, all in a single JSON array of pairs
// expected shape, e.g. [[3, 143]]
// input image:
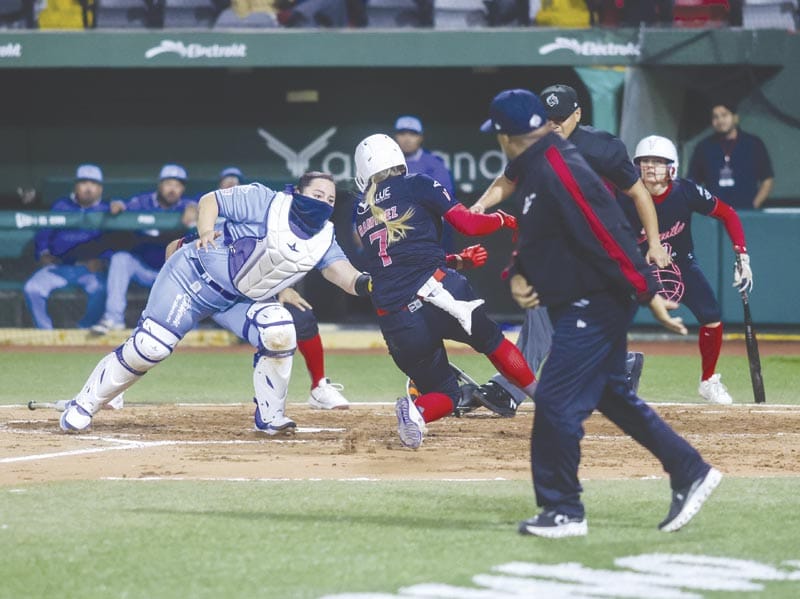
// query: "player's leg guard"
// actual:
[[149, 344], [272, 366]]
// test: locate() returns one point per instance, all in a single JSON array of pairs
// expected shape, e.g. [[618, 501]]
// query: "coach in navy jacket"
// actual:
[[579, 253]]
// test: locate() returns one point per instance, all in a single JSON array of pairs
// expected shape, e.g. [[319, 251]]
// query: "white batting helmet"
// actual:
[[658, 147], [374, 154]]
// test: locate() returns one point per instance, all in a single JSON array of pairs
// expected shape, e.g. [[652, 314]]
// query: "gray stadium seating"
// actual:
[[391, 14], [119, 14], [198, 14], [459, 14], [770, 14]]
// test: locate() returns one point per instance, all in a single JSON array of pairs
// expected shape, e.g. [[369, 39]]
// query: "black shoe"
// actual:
[[493, 397], [553, 525], [634, 364], [686, 502], [467, 402]]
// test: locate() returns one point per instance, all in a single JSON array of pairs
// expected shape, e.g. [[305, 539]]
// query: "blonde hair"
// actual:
[[396, 228]]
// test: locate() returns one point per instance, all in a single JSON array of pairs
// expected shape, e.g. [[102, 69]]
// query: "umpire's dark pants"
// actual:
[[586, 370]]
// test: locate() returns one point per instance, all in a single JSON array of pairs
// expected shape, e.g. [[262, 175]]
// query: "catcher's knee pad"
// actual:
[[149, 344], [277, 336]]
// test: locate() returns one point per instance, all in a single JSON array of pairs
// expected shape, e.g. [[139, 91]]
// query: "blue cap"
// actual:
[[172, 171], [408, 123], [514, 112], [89, 172], [231, 171]]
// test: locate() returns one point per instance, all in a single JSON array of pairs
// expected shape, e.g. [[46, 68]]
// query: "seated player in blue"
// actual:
[[419, 300], [71, 256], [676, 199], [271, 240]]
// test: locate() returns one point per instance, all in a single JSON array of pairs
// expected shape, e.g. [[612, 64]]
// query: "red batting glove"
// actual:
[[509, 222], [473, 256]]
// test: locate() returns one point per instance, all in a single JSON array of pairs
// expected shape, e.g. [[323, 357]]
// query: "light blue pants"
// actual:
[[180, 298], [49, 278], [124, 268]]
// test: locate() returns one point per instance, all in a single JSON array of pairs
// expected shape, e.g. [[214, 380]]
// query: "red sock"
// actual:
[[314, 357], [433, 406], [710, 342], [510, 362]]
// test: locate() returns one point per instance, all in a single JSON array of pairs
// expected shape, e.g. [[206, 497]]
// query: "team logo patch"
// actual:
[[552, 100]]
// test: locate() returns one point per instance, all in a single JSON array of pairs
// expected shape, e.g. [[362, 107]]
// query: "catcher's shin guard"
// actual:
[[273, 366], [149, 344]]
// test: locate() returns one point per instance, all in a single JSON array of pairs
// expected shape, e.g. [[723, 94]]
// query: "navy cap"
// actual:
[[172, 171], [560, 101], [514, 112], [89, 172], [408, 123], [231, 171]]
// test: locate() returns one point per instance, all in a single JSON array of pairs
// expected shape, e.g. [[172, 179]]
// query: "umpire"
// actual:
[[578, 252]]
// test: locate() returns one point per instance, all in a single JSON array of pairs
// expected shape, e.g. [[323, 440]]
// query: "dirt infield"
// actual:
[[217, 442]]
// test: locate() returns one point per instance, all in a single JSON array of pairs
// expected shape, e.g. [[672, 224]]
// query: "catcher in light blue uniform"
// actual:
[[270, 241]]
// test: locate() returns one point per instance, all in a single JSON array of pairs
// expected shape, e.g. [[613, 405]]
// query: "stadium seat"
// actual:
[[701, 13], [459, 14], [17, 14], [391, 14], [197, 14], [770, 14], [117, 14]]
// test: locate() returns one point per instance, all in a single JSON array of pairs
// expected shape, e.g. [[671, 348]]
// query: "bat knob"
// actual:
[[31, 406]]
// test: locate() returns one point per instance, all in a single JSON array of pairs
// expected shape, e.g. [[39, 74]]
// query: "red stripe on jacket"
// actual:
[[607, 241]]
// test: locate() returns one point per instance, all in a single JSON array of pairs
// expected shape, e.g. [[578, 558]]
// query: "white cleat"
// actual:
[[410, 423], [713, 391], [326, 396]]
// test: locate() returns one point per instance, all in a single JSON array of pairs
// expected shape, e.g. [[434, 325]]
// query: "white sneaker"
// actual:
[[326, 396], [410, 423], [115, 404], [105, 325], [713, 391]]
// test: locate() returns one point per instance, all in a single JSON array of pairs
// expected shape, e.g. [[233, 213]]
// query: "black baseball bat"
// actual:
[[752, 352]]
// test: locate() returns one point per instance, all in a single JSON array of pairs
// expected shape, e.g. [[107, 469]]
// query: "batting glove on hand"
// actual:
[[507, 221], [743, 274], [473, 256]]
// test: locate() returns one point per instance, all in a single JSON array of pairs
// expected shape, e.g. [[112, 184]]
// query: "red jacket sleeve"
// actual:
[[471, 223], [733, 225]]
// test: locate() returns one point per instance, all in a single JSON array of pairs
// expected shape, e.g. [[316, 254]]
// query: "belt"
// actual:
[[211, 282], [411, 307], [439, 274]]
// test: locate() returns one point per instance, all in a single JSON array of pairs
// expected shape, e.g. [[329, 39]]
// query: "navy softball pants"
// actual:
[[586, 371]]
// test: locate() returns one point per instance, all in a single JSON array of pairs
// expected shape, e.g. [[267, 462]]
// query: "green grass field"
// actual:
[[227, 377], [373, 539]]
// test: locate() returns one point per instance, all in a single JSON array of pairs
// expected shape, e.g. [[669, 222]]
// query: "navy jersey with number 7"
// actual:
[[414, 258]]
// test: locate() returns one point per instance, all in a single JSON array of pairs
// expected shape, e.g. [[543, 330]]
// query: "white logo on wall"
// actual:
[[11, 50], [589, 48], [464, 166], [23, 221], [197, 50], [666, 576], [297, 162]]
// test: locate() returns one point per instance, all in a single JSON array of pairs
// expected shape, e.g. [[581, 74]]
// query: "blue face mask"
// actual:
[[307, 216]]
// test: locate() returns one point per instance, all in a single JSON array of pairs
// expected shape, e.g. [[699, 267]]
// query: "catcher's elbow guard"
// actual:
[[363, 284]]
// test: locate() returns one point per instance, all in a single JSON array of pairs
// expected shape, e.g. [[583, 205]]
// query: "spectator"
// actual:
[[70, 257], [732, 164], [142, 262], [408, 134], [647, 12], [230, 176], [249, 13]]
